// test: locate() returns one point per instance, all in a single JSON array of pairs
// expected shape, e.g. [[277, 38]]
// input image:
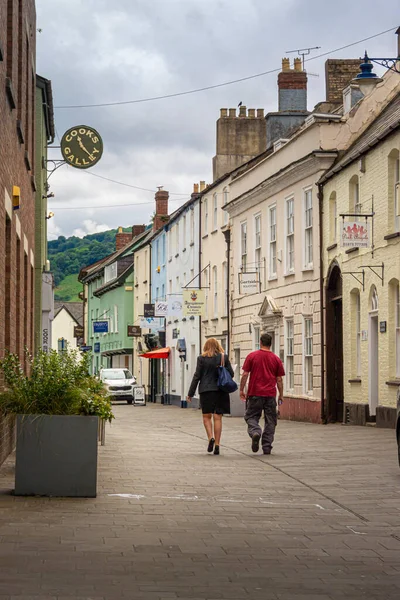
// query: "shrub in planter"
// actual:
[[57, 407]]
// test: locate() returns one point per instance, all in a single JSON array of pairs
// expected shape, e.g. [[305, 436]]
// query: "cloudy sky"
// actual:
[[104, 51]]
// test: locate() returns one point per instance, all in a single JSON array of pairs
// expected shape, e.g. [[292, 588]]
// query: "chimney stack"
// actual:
[[202, 185], [161, 217], [339, 72], [292, 87], [122, 238], [195, 188], [137, 230]]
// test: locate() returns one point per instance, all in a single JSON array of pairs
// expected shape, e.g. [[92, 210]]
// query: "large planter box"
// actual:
[[56, 456]]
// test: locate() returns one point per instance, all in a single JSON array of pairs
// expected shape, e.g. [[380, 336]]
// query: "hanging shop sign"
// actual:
[[175, 306], [148, 310], [78, 331], [85, 348], [355, 234], [81, 147], [160, 309], [152, 323], [249, 283], [100, 326], [96, 347], [134, 331], [193, 303]]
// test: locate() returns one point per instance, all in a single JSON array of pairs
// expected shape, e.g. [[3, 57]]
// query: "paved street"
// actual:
[[319, 519]]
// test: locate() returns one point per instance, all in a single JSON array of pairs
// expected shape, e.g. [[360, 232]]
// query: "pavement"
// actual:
[[319, 519]]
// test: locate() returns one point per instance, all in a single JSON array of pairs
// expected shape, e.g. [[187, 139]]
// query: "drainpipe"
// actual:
[[227, 235], [321, 302]]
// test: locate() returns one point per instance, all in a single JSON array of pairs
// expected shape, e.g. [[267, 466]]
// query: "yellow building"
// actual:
[[361, 285]]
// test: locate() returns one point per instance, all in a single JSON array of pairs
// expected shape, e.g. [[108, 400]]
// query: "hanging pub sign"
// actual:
[[78, 331], [148, 310], [193, 303], [100, 326], [175, 306], [81, 147], [160, 309], [355, 234], [134, 331], [249, 283]]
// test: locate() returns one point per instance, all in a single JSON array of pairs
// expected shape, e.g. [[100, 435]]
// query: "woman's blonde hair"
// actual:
[[212, 347]]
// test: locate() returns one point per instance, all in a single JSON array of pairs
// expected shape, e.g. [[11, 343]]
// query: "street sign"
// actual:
[[160, 309], [100, 326], [78, 331], [85, 348], [134, 331], [149, 310], [96, 347]]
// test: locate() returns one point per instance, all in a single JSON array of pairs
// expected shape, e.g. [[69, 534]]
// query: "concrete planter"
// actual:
[[56, 456]]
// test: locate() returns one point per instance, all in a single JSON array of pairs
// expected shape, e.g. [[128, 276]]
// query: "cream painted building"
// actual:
[[361, 286], [142, 296], [67, 316]]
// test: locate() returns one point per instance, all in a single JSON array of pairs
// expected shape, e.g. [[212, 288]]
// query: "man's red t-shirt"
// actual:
[[264, 367]]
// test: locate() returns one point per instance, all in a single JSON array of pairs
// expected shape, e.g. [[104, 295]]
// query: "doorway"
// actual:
[[334, 346], [373, 354]]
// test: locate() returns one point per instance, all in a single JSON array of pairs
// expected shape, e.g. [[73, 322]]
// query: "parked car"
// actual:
[[119, 383], [398, 423]]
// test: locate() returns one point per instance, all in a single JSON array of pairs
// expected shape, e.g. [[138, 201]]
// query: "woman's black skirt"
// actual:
[[215, 402]]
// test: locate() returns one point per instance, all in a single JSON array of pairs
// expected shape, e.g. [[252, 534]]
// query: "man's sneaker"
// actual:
[[255, 442]]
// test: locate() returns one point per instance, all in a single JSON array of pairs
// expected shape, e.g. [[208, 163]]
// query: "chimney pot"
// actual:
[[195, 188], [224, 112], [252, 113], [242, 111], [232, 112], [202, 185], [298, 64], [260, 113], [285, 64]]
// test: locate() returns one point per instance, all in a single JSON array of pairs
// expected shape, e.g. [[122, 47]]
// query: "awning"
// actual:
[[159, 353]]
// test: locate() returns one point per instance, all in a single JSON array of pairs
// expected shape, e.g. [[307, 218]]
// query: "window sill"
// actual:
[[214, 319], [176, 255], [224, 317], [392, 236], [170, 259], [27, 161], [20, 132], [289, 274], [351, 250], [205, 320], [331, 247], [273, 278], [145, 281], [393, 382], [355, 380], [307, 269], [214, 231], [184, 250], [191, 244], [204, 236], [10, 94]]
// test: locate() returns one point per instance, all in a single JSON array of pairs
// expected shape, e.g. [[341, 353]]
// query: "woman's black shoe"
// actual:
[[216, 450], [211, 445]]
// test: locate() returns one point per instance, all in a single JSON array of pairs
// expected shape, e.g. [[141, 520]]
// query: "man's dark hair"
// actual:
[[266, 340]]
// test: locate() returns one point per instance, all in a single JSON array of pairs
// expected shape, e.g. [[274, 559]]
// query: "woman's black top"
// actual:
[[206, 374]]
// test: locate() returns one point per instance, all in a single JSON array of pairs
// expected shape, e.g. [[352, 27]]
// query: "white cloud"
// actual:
[[90, 227]]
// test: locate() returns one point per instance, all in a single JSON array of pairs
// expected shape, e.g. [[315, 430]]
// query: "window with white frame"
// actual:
[[215, 211], [163, 292], [289, 358], [243, 245], [257, 241], [289, 235], [397, 195], [192, 226], [116, 317], [215, 291], [157, 293], [272, 241], [398, 330], [184, 232], [308, 355], [206, 215], [178, 287], [308, 229], [158, 252], [256, 331], [206, 284], [177, 238], [332, 218], [225, 286], [355, 200], [170, 286], [163, 249], [226, 214]]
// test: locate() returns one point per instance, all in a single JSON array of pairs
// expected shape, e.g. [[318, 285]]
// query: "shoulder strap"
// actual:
[[222, 359]]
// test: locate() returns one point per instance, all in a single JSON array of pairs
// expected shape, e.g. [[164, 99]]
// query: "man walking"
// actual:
[[266, 372]]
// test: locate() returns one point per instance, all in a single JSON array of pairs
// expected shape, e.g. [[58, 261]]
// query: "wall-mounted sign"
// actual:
[[175, 334], [100, 326], [174, 306], [249, 283], [134, 331], [96, 347], [364, 335], [382, 326], [160, 309], [193, 303], [78, 331], [81, 147], [355, 234], [148, 310], [85, 348]]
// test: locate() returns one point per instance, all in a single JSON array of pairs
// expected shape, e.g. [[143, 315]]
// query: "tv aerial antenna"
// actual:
[[303, 52]]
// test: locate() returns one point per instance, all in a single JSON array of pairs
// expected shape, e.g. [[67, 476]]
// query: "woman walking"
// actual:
[[214, 402]]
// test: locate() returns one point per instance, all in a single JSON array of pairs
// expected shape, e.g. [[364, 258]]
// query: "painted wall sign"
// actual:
[[100, 326], [249, 283], [355, 234], [193, 303], [81, 147]]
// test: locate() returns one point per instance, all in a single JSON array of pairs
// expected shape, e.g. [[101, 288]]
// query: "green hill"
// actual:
[[68, 255]]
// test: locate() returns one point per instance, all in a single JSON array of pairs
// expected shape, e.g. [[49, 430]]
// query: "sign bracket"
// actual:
[[372, 268], [356, 275], [201, 287]]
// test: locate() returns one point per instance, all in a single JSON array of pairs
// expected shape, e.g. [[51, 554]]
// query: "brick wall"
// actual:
[[17, 84], [161, 216], [338, 75]]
